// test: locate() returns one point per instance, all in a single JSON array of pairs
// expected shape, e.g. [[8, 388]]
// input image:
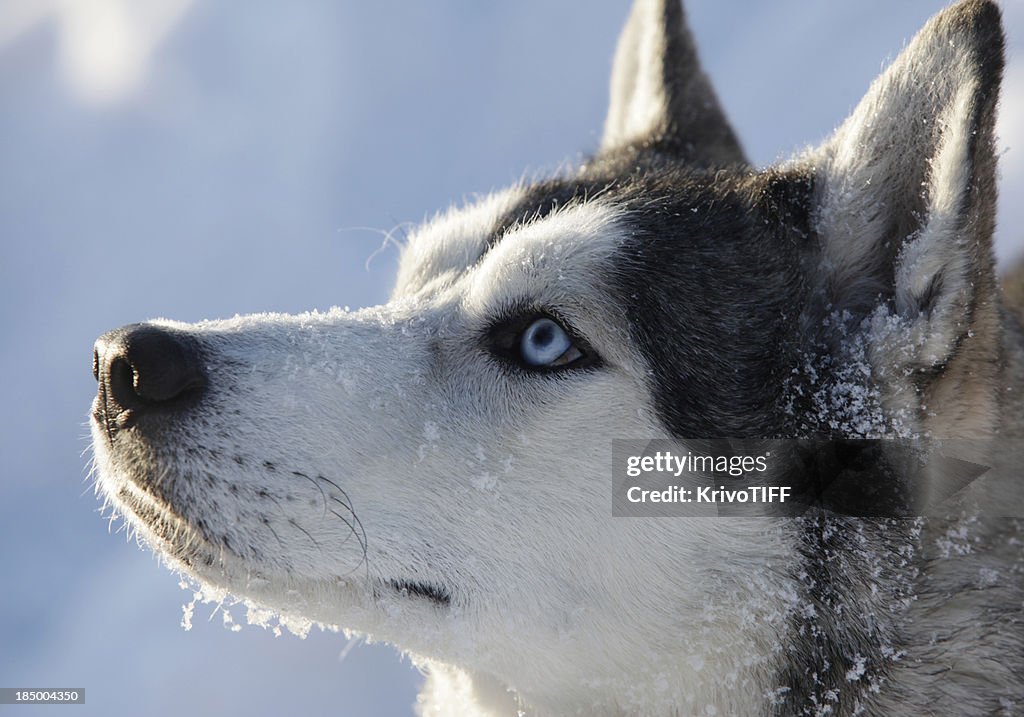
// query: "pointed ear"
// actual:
[[660, 94], [905, 190]]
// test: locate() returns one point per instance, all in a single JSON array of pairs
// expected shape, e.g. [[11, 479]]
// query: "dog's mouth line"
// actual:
[[164, 524], [425, 590]]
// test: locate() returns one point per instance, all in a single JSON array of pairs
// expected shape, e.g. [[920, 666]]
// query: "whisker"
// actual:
[[273, 532], [322, 494], [389, 240], [361, 540], [308, 534]]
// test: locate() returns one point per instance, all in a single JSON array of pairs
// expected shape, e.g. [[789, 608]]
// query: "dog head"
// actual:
[[435, 471]]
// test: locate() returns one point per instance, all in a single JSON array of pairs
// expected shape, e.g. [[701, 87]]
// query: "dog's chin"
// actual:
[[357, 601], [159, 527], [218, 570], [419, 615]]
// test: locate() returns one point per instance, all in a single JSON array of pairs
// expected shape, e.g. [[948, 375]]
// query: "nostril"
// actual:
[[95, 364], [120, 383]]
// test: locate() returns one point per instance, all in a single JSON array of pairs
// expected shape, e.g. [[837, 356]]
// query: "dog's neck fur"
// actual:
[[1011, 383]]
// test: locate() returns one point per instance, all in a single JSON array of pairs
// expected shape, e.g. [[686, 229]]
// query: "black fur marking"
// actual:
[[712, 283], [428, 591], [538, 202]]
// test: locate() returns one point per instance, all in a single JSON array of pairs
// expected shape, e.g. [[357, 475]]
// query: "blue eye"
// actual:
[[535, 340], [545, 343]]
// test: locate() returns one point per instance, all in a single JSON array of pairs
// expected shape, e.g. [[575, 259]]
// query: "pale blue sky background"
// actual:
[[199, 159]]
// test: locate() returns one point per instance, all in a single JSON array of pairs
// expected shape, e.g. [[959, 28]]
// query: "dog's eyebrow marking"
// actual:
[[537, 203]]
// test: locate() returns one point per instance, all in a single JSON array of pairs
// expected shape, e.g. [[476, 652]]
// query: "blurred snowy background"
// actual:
[[199, 159]]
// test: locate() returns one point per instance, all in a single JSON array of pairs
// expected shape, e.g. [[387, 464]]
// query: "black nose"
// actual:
[[143, 368]]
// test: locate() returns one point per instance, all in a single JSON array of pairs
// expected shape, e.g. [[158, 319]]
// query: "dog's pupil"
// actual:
[[544, 335]]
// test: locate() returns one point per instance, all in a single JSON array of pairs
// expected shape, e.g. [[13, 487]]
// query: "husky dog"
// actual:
[[434, 472]]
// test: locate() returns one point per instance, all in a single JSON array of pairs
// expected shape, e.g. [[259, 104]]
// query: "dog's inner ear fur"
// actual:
[[905, 189], [661, 97]]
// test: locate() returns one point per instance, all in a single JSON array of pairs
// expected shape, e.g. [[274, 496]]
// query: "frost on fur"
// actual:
[[904, 206]]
